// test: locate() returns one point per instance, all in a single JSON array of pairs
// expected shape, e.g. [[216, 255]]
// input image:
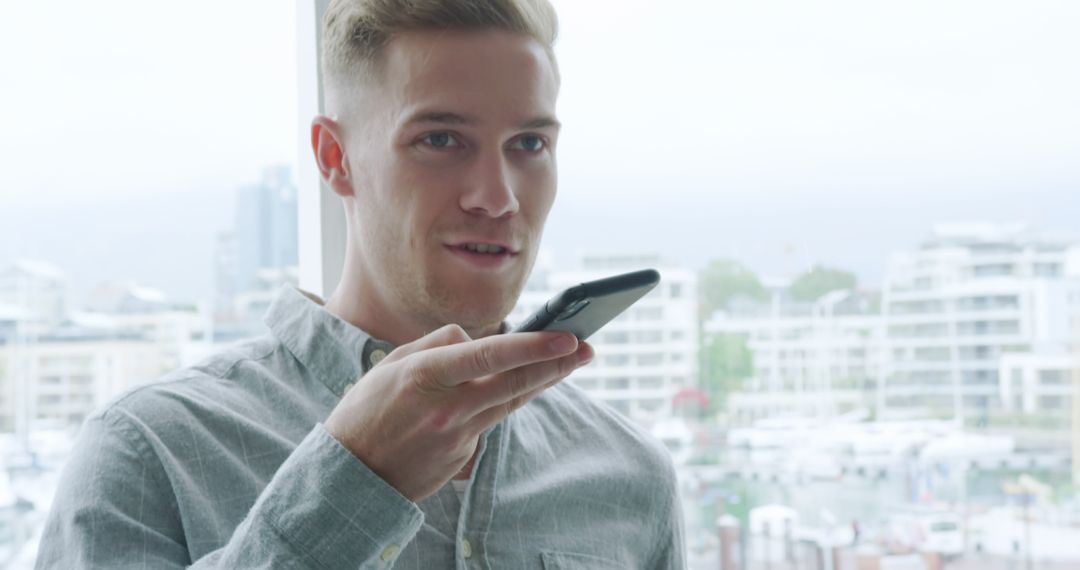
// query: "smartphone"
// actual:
[[583, 309]]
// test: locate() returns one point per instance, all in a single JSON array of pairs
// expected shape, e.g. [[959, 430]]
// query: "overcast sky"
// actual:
[[692, 128]]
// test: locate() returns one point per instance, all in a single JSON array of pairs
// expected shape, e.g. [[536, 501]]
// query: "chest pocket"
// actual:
[[572, 561]]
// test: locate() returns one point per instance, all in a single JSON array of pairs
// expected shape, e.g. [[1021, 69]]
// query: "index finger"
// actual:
[[459, 363], [449, 334]]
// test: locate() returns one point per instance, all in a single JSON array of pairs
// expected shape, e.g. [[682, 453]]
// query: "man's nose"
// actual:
[[489, 189]]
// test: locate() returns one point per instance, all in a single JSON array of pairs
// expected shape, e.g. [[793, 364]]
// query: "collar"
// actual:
[[336, 352]]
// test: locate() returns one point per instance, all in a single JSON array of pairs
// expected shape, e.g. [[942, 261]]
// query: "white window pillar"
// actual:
[[321, 230]]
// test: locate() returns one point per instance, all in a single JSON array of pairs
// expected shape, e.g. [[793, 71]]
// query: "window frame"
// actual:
[[321, 229]]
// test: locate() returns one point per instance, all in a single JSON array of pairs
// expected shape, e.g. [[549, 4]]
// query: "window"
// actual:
[[82, 379], [586, 383], [650, 359], [650, 313], [652, 404], [994, 270], [933, 354], [1054, 377], [650, 336], [796, 194], [617, 359], [1051, 403], [621, 406], [1047, 269], [650, 382], [978, 352], [616, 337], [973, 377]]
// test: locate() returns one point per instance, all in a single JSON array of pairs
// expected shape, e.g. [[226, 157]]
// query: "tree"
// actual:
[[723, 280], [726, 361], [810, 286]]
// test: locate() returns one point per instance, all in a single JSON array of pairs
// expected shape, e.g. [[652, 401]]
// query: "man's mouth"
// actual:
[[484, 255], [483, 248]]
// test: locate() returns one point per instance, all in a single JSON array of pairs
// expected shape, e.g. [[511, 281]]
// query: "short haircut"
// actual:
[[356, 31]]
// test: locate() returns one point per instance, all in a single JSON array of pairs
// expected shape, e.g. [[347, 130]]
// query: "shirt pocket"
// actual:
[[554, 560]]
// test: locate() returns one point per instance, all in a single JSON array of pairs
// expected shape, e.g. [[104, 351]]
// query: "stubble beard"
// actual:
[[429, 300]]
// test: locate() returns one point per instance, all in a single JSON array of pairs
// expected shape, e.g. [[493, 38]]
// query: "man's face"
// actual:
[[453, 153]]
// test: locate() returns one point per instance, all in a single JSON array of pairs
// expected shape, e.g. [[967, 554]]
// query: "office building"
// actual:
[[970, 296]]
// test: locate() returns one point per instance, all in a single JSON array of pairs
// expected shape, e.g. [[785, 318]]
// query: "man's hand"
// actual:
[[416, 418]]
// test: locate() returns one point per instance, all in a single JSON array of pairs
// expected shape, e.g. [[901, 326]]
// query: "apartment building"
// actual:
[[970, 296], [645, 356], [1074, 351], [978, 322], [38, 289], [69, 377], [810, 359], [55, 377], [1037, 384]]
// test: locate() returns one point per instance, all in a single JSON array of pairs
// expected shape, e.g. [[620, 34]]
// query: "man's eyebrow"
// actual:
[[542, 123], [449, 118], [443, 117]]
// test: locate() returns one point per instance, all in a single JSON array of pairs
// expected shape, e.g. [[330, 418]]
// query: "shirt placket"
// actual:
[[477, 508]]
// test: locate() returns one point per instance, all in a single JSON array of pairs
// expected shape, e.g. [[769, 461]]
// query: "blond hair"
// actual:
[[355, 31]]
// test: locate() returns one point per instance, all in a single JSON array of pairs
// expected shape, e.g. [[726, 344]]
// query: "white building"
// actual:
[[1075, 351], [38, 288], [644, 356], [974, 306], [969, 296], [1037, 384], [56, 377], [72, 377], [810, 359]]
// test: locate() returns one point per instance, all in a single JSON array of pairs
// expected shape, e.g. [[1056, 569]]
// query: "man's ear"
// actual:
[[326, 141]]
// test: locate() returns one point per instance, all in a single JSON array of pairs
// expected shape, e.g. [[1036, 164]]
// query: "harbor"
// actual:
[[858, 494]]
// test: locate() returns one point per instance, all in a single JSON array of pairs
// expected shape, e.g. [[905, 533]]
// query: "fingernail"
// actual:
[[564, 343], [584, 355]]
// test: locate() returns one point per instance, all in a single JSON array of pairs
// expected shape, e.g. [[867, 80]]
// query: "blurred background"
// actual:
[[865, 345]]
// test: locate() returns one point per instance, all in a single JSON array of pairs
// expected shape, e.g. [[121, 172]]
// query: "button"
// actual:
[[348, 387], [466, 549], [376, 356], [389, 552]]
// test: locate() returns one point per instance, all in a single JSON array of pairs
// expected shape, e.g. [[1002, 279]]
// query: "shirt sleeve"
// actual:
[[324, 509], [672, 547], [671, 544]]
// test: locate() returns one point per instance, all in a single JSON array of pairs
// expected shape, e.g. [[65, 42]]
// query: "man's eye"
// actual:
[[530, 143], [441, 140]]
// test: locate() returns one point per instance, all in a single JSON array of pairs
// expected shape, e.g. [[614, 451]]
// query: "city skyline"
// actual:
[[178, 258], [984, 297]]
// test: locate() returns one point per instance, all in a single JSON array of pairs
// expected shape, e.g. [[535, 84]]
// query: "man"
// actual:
[[321, 445]]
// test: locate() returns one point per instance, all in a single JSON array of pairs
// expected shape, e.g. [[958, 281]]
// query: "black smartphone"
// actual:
[[583, 309]]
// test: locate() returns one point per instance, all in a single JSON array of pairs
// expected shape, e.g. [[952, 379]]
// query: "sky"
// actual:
[[782, 134]]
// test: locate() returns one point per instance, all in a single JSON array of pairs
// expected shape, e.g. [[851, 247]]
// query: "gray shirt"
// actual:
[[226, 465]]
